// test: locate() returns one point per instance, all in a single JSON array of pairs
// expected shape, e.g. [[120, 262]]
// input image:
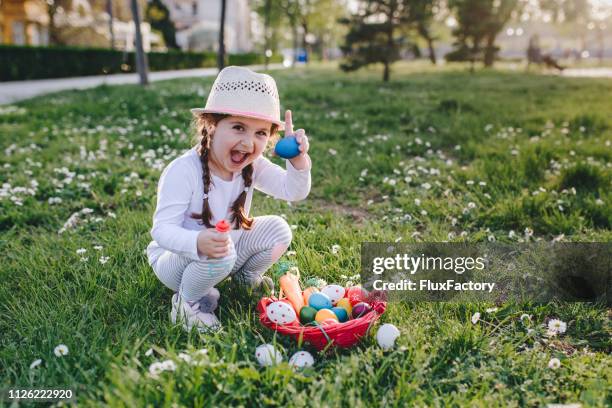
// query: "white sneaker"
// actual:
[[189, 315]]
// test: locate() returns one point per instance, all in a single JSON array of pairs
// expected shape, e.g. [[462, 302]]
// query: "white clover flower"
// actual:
[[201, 352], [185, 357], [470, 182], [426, 186], [471, 205], [294, 226], [35, 363], [491, 310], [98, 247], [525, 317], [475, 317], [84, 258], [294, 270], [491, 238], [156, 368], [81, 251], [60, 350], [557, 326], [511, 234], [335, 249], [149, 352], [554, 363], [333, 152], [168, 365], [104, 259], [291, 253], [417, 201]]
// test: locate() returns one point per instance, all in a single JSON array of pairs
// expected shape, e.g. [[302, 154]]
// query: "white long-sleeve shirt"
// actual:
[[181, 190]]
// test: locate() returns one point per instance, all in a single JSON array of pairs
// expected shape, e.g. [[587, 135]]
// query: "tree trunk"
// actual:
[[51, 9], [489, 52], [432, 51], [386, 71], [221, 53], [295, 44], [109, 9], [141, 57], [267, 33]]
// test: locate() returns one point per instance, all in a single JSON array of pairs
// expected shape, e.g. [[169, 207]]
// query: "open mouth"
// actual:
[[238, 157]]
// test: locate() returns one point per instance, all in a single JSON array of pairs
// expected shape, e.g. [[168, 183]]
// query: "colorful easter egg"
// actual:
[[301, 359], [280, 313], [307, 292], [335, 292], [360, 309], [287, 147], [340, 313], [356, 294], [324, 314], [386, 336], [267, 355], [307, 314], [320, 301], [345, 304]]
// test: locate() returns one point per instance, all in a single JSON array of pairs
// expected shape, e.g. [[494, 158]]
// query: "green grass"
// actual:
[[532, 153]]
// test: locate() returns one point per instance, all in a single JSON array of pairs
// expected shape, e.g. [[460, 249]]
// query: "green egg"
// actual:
[[307, 314]]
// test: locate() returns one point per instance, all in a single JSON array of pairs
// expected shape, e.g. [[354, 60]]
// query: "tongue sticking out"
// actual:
[[238, 157]]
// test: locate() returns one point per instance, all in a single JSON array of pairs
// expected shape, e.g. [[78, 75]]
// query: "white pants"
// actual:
[[256, 250]]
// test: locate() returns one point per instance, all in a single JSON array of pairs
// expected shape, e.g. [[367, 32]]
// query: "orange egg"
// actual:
[[325, 314], [307, 292]]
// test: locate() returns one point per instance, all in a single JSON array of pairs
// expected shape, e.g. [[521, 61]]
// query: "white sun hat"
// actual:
[[241, 92]]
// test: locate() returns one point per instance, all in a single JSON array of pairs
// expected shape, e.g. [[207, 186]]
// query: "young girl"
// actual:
[[214, 181]]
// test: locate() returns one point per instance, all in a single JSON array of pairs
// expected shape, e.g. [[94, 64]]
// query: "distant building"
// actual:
[[24, 22], [197, 24]]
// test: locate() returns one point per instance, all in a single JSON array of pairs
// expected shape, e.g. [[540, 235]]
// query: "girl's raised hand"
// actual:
[[300, 134]]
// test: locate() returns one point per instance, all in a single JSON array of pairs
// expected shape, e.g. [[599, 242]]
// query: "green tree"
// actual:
[[375, 35], [478, 24], [421, 14], [158, 16]]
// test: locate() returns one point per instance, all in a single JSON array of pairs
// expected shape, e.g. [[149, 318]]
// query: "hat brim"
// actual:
[[199, 111]]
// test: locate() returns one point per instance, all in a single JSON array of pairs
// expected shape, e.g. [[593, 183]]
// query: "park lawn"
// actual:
[[430, 156]]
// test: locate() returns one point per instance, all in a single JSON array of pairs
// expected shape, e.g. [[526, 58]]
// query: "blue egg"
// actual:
[[287, 147], [319, 301], [341, 313]]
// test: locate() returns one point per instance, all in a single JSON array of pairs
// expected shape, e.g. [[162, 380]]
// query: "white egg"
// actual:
[[280, 313], [386, 336], [267, 355], [301, 359], [335, 292]]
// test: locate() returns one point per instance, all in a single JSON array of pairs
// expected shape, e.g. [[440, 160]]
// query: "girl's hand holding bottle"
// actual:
[[213, 244]]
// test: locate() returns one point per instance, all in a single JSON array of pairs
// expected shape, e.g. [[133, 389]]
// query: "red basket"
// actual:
[[342, 335]]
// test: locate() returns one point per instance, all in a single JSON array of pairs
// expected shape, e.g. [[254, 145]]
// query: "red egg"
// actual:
[[356, 294], [360, 309]]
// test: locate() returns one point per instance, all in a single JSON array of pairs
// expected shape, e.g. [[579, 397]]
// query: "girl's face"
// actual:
[[237, 141]]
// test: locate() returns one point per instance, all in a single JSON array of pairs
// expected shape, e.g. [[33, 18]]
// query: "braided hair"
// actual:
[[240, 219]]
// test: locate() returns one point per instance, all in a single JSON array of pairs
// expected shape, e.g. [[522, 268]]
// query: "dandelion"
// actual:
[[104, 259], [554, 363], [475, 317], [335, 249], [60, 350], [557, 326], [35, 363], [81, 251]]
